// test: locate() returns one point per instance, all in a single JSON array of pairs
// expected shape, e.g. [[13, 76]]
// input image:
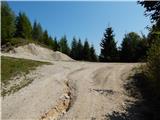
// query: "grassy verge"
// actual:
[[11, 67]]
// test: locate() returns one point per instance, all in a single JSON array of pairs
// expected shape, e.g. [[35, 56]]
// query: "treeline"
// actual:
[[81, 51], [133, 47], [18, 29]]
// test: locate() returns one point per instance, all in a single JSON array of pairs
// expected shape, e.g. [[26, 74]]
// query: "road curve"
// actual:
[[99, 90], [96, 90]]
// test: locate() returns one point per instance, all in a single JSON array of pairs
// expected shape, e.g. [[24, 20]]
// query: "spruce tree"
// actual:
[[23, 26], [73, 53], [56, 45], [108, 47], [93, 56], [79, 50], [51, 42], [86, 51], [152, 9], [45, 38], [37, 31], [64, 48], [7, 22]]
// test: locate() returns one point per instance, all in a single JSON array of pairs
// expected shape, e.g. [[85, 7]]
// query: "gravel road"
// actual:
[[95, 90]]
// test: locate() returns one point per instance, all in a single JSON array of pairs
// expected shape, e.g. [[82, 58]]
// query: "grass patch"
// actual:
[[11, 67]]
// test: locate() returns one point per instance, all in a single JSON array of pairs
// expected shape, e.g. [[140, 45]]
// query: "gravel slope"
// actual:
[[96, 90], [36, 52]]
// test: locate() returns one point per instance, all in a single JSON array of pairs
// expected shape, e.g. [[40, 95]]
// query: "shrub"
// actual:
[[152, 69]]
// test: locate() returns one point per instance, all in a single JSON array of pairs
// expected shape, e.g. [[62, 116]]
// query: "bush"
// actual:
[[152, 69]]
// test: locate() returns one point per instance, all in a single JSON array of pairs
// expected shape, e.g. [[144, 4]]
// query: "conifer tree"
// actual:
[[93, 56], [64, 48], [152, 9], [108, 47], [37, 31], [45, 38], [51, 42], [73, 53], [23, 26], [86, 51], [56, 45], [7, 22], [79, 50]]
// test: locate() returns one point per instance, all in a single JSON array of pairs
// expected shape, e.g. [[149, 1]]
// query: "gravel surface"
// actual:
[[98, 90], [70, 90]]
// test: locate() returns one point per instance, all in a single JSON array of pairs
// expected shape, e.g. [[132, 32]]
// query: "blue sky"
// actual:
[[85, 19]]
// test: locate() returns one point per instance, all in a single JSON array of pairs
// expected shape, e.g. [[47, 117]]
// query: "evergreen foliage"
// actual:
[[79, 50], [153, 66], [154, 33], [151, 70], [64, 48], [109, 52], [18, 31], [23, 26], [152, 9], [37, 32], [86, 51], [93, 56], [132, 46], [74, 53], [7, 23], [56, 45], [45, 38]]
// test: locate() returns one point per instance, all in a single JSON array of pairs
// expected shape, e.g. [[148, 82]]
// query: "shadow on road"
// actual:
[[147, 106]]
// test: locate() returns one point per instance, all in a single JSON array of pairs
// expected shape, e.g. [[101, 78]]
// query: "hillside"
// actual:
[[36, 52]]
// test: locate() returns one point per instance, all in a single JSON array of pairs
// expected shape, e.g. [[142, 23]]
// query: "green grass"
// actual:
[[11, 67]]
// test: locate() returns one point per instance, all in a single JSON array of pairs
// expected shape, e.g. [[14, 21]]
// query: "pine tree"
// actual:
[[51, 42], [152, 9], [79, 50], [86, 51], [56, 45], [73, 53], [45, 38], [23, 26], [7, 22], [64, 48], [154, 33], [108, 47], [93, 56], [37, 31]]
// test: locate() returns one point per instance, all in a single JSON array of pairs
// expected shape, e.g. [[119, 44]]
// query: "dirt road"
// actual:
[[71, 90]]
